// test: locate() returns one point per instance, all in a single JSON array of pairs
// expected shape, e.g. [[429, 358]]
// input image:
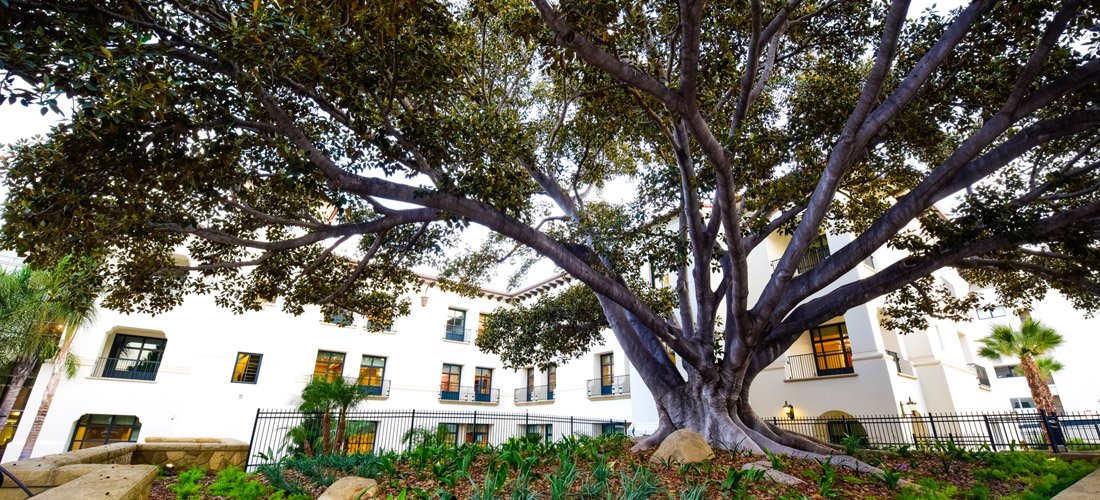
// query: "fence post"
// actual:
[[571, 430], [526, 421], [1053, 429], [248, 457], [412, 425], [989, 429], [932, 421]]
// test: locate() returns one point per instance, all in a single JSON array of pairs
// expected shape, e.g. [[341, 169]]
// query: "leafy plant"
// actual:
[[851, 444], [694, 492], [738, 480], [776, 460], [562, 480], [639, 486], [825, 478], [187, 484], [890, 477]]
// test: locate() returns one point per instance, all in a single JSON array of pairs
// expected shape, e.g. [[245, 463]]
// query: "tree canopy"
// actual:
[[320, 152]]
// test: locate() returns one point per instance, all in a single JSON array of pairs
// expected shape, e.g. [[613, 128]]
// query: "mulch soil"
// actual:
[[674, 479]]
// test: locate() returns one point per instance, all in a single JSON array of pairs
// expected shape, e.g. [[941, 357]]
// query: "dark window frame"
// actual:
[[483, 384], [451, 378], [373, 389], [255, 373], [328, 374], [828, 358], [118, 346], [85, 422], [450, 332]]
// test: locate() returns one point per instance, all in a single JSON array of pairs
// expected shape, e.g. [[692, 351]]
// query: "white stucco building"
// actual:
[[202, 370]]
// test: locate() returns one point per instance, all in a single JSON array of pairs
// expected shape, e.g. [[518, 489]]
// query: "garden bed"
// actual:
[[605, 468]]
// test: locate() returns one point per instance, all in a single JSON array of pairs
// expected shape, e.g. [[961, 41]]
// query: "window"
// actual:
[[98, 430], [1022, 403], [7, 430], [371, 374], [247, 368], [832, 352], [1005, 371], [478, 434], [530, 382], [610, 429], [449, 433], [540, 432], [329, 366], [991, 312], [449, 382], [483, 384], [607, 373], [134, 358], [339, 318], [361, 436], [482, 319], [551, 381], [456, 325]]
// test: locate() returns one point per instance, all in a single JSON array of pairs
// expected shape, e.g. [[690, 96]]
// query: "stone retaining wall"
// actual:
[[120, 470]]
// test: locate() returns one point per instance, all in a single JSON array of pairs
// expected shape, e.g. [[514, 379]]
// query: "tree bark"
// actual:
[[20, 372], [326, 432], [1040, 391], [47, 396]]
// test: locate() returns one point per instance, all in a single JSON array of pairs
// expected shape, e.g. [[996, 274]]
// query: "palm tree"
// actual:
[[1029, 344], [31, 325], [325, 396], [72, 287]]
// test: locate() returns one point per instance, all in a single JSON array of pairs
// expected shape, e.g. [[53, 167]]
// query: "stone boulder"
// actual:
[[351, 488], [683, 446]]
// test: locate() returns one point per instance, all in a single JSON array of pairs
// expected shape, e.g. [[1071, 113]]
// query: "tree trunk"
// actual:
[[19, 375], [341, 430], [326, 432], [47, 396], [1040, 391]]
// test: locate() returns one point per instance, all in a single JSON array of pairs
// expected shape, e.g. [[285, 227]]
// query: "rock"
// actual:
[[772, 474], [683, 446], [351, 488]]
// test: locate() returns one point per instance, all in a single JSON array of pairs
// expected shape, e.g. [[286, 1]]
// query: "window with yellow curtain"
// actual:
[[329, 366], [247, 368]]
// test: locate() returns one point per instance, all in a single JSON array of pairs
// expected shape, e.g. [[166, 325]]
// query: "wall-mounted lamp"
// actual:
[[424, 300], [789, 410], [910, 405]]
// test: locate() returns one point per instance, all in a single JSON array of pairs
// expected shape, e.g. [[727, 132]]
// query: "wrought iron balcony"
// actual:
[[803, 366], [125, 368], [468, 394], [981, 374], [609, 386], [457, 335], [534, 394], [813, 257], [381, 390]]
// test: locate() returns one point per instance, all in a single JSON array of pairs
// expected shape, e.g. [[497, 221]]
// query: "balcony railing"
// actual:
[[469, 394], [457, 335], [381, 390], [903, 365], [609, 386], [813, 257], [802, 366], [981, 374], [124, 368], [536, 393]]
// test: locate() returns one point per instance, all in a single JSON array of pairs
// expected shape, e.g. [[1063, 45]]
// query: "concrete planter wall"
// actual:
[[122, 471]]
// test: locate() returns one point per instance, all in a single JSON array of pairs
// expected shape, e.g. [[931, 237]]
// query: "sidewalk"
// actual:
[[1088, 488]]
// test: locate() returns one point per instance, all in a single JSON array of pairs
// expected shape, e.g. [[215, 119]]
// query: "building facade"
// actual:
[[201, 370]]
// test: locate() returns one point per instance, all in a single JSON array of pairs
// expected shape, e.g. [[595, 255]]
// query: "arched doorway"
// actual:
[[837, 425]]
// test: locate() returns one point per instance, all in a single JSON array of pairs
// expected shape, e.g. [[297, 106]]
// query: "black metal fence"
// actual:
[[998, 431], [281, 433]]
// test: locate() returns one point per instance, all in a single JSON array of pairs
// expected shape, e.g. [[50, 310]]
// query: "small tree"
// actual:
[[34, 315], [1029, 344], [325, 396]]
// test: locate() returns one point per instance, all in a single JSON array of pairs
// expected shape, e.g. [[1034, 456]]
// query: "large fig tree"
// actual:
[[322, 151]]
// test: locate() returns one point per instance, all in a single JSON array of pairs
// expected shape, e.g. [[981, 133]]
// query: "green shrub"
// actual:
[[187, 484]]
